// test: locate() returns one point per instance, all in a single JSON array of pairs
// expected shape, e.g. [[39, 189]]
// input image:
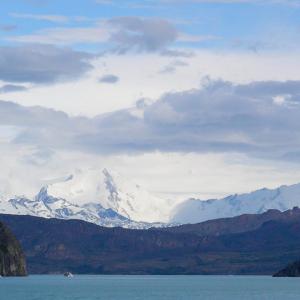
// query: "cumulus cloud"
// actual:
[[142, 34], [220, 117], [42, 64], [109, 78]]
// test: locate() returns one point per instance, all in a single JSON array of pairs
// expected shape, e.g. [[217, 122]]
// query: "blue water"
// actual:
[[149, 287]]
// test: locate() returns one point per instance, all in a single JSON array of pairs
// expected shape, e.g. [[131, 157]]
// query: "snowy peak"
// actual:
[[195, 210], [111, 191], [48, 207], [78, 188], [99, 196]]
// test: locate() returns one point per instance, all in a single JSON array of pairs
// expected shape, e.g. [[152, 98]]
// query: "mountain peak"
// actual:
[[110, 190]]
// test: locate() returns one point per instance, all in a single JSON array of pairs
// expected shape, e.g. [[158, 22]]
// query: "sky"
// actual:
[[193, 98]]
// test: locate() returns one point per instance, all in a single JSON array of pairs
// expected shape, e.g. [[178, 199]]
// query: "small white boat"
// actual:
[[68, 274]]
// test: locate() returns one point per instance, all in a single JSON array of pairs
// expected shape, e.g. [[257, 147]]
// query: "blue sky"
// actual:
[[249, 22], [177, 95]]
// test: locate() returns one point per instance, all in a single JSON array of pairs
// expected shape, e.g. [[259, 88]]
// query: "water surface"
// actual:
[[87, 287]]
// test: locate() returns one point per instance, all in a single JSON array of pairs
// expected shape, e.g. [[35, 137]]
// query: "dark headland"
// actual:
[[292, 270], [12, 259]]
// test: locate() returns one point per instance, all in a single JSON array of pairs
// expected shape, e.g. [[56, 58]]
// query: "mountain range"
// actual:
[[246, 244], [281, 198], [105, 198], [96, 196]]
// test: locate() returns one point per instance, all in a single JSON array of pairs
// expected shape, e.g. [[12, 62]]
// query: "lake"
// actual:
[[149, 287]]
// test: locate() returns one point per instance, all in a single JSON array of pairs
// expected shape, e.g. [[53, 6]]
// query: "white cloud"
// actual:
[[50, 18], [65, 36], [123, 34], [168, 175], [220, 117], [87, 97]]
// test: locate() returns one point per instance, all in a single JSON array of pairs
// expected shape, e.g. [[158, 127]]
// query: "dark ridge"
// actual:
[[248, 244]]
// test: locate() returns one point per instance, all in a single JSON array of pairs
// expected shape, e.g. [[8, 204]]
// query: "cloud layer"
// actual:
[[258, 119]]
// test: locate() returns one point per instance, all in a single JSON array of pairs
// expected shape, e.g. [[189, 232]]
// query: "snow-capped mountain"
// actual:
[[111, 191], [195, 210], [96, 196], [48, 207], [105, 198]]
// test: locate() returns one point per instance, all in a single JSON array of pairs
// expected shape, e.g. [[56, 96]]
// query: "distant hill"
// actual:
[[12, 260], [248, 244]]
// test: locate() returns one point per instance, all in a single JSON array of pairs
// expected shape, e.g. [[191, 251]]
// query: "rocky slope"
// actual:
[[12, 260]]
